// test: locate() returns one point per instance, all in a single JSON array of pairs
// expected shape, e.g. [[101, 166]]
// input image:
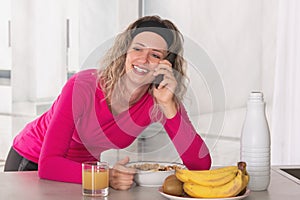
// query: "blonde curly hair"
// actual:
[[113, 62]]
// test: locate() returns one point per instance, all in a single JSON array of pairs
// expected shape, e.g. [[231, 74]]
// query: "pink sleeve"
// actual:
[[188, 143], [52, 162]]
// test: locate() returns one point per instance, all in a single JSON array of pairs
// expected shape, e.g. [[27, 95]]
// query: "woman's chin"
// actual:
[[139, 81]]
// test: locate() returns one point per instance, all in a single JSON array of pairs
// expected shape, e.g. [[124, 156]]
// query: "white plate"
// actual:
[[191, 198]]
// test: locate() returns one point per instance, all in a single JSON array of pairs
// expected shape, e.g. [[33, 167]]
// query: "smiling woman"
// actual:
[[109, 108]]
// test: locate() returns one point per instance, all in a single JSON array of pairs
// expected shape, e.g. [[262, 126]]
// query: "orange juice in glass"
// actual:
[[95, 178]]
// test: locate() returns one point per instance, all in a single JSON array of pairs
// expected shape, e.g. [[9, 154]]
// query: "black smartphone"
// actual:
[[171, 58]]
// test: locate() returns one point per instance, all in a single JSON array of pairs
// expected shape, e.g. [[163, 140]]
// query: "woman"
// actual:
[[110, 107]]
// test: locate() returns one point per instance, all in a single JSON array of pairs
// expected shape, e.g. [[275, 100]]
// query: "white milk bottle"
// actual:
[[255, 143]]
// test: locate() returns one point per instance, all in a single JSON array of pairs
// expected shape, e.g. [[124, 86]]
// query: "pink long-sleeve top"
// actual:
[[79, 126]]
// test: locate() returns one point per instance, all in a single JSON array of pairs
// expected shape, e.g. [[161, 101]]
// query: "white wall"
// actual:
[[39, 66], [93, 23], [5, 48], [239, 37]]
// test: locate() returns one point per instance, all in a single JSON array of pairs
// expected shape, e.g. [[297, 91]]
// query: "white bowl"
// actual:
[[152, 178]]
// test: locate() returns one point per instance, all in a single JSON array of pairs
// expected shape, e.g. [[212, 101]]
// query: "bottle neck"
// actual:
[[255, 105], [256, 97], [256, 101]]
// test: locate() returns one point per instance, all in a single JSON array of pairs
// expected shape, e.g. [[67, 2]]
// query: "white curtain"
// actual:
[[286, 108]]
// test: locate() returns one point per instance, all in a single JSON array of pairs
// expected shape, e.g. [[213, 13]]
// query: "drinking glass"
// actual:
[[95, 178]]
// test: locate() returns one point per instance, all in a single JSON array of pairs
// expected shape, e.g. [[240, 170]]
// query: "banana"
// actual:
[[246, 179], [214, 177], [229, 189], [210, 171]]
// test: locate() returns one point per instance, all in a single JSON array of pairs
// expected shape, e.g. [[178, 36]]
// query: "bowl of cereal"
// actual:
[[152, 173]]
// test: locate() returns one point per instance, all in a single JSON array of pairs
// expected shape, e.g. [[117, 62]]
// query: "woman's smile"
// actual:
[[140, 70]]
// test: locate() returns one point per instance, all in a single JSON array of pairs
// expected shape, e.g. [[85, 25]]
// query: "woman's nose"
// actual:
[[144, 56]]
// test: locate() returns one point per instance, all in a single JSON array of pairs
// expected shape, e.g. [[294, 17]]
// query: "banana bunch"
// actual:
[[215, 183]]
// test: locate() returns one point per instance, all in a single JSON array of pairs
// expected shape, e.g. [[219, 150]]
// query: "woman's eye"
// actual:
[[136, 48], [156, 56]]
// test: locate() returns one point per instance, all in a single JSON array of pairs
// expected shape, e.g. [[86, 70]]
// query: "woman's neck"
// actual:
[[125, 95]]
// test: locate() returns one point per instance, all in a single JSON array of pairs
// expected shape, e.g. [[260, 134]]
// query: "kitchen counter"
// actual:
[[27, 185]]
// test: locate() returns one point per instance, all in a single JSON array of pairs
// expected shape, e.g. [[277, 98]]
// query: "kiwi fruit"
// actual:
[[173, 186]]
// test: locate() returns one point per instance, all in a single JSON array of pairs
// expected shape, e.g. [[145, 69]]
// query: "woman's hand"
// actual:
[[121, 177], [165, 92]]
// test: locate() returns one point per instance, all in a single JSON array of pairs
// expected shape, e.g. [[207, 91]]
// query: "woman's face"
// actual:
[[145, 52]]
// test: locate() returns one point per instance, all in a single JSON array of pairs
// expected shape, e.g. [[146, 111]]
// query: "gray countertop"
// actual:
[[27, 185]]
